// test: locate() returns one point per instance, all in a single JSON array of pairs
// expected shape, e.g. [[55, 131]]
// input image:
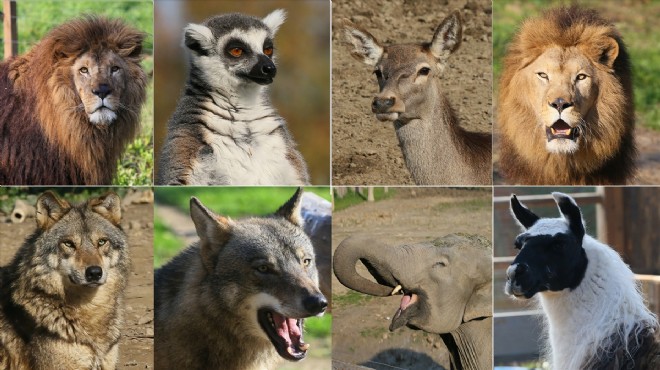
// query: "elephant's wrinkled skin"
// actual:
[[446, 286]]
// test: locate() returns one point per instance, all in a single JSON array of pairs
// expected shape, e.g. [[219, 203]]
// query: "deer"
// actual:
[[436, 149]]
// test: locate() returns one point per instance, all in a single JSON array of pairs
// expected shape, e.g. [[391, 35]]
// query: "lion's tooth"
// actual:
[[304, 346], [396, 289]]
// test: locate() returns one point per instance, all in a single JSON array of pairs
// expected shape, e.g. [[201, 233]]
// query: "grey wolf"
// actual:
[[596, 317], [436, 149], [565, 108], [69, 106], [61, 297], [224, 129], [237, 298]]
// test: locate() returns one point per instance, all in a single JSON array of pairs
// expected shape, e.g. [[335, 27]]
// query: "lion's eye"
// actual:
[[424, 71], [114, 69], [307, 262], [542, 75], [102, 242], [268, 51], [580, 76], [83, 70], [236, 52]]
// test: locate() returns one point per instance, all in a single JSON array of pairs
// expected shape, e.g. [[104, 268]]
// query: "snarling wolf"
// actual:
[[237, 298], [61, 297]]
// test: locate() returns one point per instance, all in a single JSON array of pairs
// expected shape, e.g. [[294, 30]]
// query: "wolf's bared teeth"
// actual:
[[396, 289], [304, 346]]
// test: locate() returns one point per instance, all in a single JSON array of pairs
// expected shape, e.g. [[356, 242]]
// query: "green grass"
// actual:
[[352, 198], [233, 201], [318, 327], [351, 298], [373, 332], [639, 33], [166, 244]]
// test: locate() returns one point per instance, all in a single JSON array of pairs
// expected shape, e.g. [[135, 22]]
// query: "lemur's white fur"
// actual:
[[605, 309]]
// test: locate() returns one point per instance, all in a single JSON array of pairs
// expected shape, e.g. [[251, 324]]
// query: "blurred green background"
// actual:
[[301, 90], [235, 202], [36, 17], [636, 20]]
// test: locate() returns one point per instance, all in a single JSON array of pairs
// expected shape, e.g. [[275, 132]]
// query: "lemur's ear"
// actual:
[[569, 208], [274, 20], [198, 38]]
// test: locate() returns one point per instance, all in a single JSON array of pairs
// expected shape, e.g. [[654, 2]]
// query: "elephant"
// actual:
[[446, 285]]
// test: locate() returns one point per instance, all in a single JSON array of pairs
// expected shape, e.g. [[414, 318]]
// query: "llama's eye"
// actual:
[[83, 70], [378, 74], [542, 75], [580, 76], [424, 71]]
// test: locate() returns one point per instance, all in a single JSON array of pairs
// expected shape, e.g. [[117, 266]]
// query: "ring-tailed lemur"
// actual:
[[224, 129]]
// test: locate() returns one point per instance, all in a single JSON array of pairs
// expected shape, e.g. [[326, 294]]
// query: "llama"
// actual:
[[595, 315], [437, 150]]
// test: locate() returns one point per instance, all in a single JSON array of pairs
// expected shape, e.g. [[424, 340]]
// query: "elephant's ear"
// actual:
[[480, 303]]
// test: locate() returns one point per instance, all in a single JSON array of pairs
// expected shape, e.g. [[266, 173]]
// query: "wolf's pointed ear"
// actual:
[[50, 209], [480, 303], [365, 47], [447, 37], [214, 231], [198, 38], [291, 209], [274, 20], [522, 214], [569, 208], [108, 206]]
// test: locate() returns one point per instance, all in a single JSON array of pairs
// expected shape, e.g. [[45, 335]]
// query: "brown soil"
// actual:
[[136, 346], [360, 330], [366, 151]]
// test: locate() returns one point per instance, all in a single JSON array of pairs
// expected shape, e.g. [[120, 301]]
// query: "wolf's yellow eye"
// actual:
[[102, 242], [307, 262], [236, 52], [262, 268], [83, 70], [268, 51], [68, 244]]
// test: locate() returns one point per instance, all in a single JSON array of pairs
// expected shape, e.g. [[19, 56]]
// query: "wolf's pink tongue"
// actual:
[[282, 326]]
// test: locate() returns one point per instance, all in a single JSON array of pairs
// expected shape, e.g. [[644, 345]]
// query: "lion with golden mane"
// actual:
[[69, 106], [565, 110]]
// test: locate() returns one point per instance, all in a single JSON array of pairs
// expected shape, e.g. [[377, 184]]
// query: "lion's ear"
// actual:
[[609, 52]]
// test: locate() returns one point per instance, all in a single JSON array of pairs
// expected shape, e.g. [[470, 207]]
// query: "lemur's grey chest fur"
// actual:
[[225, 130]]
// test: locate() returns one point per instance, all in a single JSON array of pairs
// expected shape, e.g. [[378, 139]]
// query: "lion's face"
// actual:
[[564, 88], [100, 81]]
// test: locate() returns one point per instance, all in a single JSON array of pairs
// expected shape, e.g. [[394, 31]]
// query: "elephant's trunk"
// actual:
[[371, 253]]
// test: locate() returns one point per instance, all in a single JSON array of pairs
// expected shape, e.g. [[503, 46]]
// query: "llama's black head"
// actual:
[[551, 256]]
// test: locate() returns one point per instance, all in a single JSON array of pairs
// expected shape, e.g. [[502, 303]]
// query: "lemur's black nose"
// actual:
[[268, 70]]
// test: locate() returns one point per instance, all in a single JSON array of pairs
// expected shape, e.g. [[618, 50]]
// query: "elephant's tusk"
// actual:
[[396, 289]]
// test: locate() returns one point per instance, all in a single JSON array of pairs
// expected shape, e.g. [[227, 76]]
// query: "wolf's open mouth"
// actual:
[[285, 333], [561, 130], [408, 308]]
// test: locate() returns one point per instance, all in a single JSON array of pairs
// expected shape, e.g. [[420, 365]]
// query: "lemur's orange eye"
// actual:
[[268, 51], [236, 52]]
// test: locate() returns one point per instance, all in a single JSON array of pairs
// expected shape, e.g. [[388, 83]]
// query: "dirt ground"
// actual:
[[136, 345], [360, 330], [366, 151]]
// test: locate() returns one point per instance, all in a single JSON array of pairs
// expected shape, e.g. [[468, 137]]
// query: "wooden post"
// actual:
[[9, 28]]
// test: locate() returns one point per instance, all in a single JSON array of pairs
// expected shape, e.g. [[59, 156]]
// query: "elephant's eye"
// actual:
[[440, 264]]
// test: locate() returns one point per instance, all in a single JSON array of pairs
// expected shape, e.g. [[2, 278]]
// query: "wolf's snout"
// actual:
[[382, 105], [93, 274], [315, 304]]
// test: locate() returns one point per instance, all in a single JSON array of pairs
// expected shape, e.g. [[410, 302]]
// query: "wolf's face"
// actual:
[[263, 269], [82, 243], [234, 50]]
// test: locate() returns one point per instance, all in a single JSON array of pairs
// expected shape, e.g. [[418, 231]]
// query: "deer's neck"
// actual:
[[430, 145]]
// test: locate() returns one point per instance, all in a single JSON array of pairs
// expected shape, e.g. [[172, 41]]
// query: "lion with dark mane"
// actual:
[[565, 111], [70, 105]]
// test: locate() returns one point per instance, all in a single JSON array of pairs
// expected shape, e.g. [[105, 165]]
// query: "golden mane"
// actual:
[[44, 94], [607, 157]]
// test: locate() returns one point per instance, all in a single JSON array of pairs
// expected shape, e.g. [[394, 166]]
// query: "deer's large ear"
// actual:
[[50, 209], [364, 46], [569, 208], [522, 214], [447, 37]]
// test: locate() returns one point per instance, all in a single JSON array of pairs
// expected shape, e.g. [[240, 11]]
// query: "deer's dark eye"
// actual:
[[424, 71]]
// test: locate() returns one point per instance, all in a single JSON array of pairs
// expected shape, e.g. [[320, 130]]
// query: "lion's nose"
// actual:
[[560, 104], [102, 91]]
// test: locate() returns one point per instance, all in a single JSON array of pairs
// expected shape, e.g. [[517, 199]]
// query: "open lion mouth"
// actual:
[[562, 130], [285, 333], [408, 308]]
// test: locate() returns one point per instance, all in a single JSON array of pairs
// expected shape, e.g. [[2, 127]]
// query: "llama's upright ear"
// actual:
[[571, 212], [522, 214]]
